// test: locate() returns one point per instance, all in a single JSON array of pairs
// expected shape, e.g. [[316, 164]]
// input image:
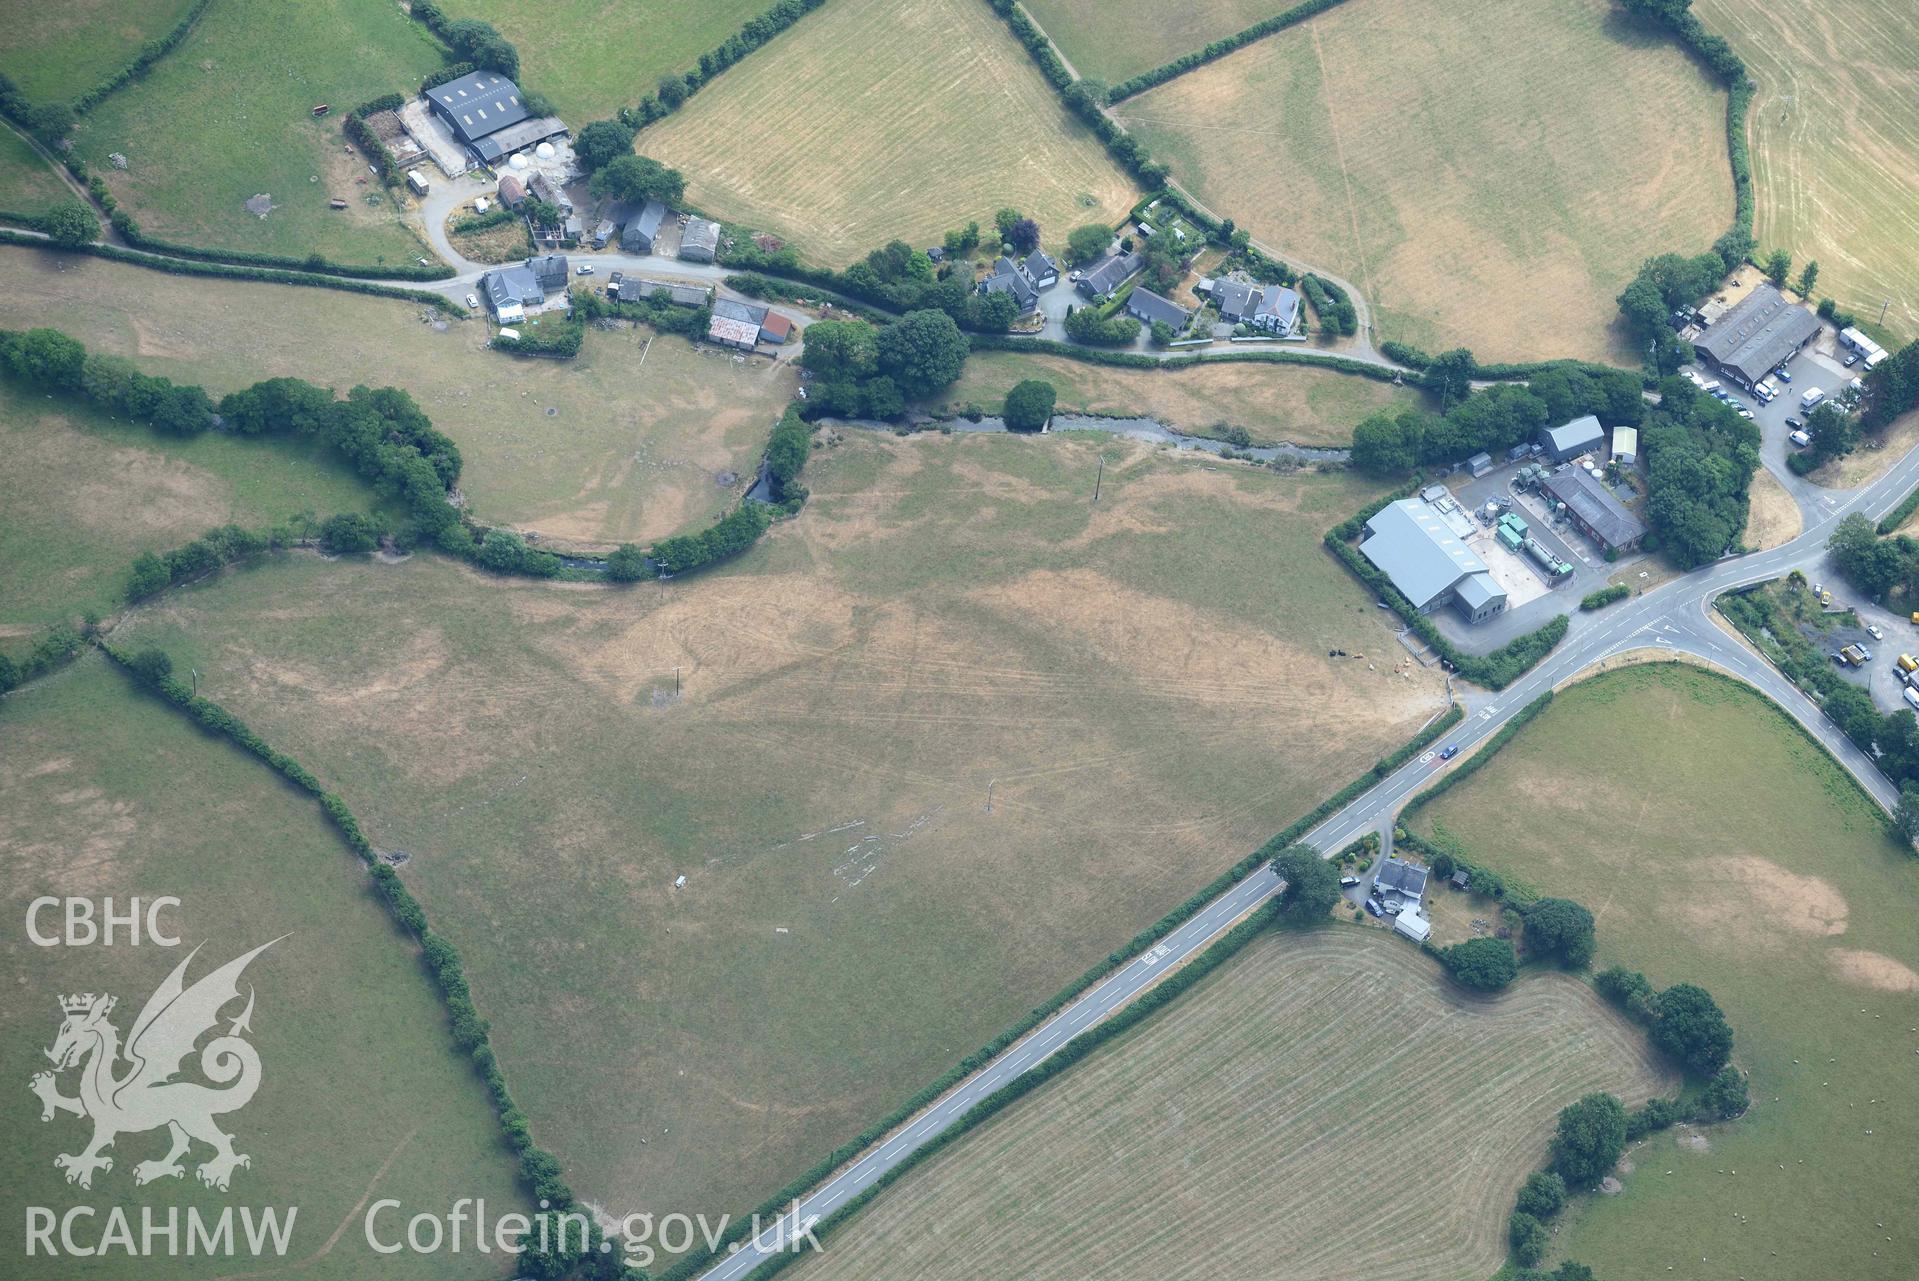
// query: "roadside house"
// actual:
[[1151, 309], [643, 228], [1108, 274]]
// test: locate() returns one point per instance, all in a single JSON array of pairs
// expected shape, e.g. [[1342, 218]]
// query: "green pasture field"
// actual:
[[926, 753], [1294, 403], [1112, 40], [1835, 145], [628, 442], [1489, 175], [1269, 1114], [1717, 846], [880, 119], [86, 494], [362, 1093], [227, 116], [28, 185], [56, 53], [592, 58]]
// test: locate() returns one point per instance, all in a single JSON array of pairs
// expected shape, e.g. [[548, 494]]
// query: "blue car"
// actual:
[[1449, 753], [1785, 375], [1372, 905]]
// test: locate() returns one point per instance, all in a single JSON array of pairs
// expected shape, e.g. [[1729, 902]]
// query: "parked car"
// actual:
[[472, 301], [1784, 374], [1852, 360], [1745, 413], [1794, 423], [1911, 696], [1347, 882], [1875, 631], [1449, 753], [1800, 439], [1372, 905], [584, 269]]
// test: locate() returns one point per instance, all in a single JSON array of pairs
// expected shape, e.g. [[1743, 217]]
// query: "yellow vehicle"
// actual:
[[1825, 598], [1907, 663]]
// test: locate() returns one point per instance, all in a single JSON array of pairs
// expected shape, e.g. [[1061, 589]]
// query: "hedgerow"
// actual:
[[150, 52], [673, 91], [1605, 596], [1216, 50]]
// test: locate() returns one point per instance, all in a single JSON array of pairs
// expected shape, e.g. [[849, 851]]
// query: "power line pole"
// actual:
[[676, 682], [1882, 310], [1099, 477]]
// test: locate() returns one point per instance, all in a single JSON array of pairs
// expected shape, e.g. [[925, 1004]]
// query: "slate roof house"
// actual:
[[487, 115], [1041, 270], [1273, 308], [700, 241], [1009, 277], [1400, 885], [1595, 510], [1760, 332], [1153, 309], [1410, 542], [512, 291], [643, 228], [1108, 274]]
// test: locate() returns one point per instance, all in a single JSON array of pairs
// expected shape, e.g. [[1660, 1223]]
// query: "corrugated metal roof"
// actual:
[[1412, 545], [1588, 499]]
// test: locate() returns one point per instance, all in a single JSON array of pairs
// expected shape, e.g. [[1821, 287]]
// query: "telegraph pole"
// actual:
[[1882, 310], [1100, 476]]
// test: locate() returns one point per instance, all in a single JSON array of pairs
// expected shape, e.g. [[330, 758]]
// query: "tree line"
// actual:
[[1491, 420], [1700, 460], [875, 371]]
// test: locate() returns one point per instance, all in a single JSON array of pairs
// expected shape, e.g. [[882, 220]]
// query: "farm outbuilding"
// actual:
[[1413, 926], [1152, 309], [488, 116], [643, 228], [1593, 508], [1479, 464], [700, 241], [1625, 444], [736, 324]]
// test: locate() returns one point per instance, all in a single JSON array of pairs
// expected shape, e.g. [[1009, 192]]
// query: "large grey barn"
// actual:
[[489, 117], [1752, 339], [1412, 544]]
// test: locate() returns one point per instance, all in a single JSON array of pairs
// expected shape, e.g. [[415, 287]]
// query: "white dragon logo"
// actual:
[[146, 1096]]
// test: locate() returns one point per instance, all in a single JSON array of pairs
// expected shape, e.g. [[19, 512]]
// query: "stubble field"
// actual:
[[873, 120], [1111, 40], [626, 443], [923, 756], [1490, 174], [226, 117], [363, 1094], [1835, 144], [1326, 1104], [1293, 403], [1715, 845]]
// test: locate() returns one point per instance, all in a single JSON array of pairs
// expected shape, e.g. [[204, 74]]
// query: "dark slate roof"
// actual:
[[1109, 275], [647, 221], [700, 234], [479, 103], [510, 139], [1234, 298], [1759, 332], [1402, 878], [1038, 266], [1007, 278], [727, 309], [1151, 308], [508, 285], [549, 268], [1279, 302], [1589, 499]]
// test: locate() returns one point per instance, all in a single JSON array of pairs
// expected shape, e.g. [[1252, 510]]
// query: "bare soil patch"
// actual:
[[1874, 970]]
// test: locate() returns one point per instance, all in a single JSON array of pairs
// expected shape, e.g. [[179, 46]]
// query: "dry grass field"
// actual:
[[1717, 846], [363, 1095], [1293, 403], [1327, 1104], [56, 54], [605, 448], [938, 744], [1490, 174], [1835, 143], [225, 117], [1773, 517], [875, 119], [592, 57], [1111, 40], [84, 495]]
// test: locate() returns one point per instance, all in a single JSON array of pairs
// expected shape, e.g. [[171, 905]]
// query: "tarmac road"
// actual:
[[1675, 616]]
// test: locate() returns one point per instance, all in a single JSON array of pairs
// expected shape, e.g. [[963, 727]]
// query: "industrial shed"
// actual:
[[487, 115], [1570, 440], [1592, 507], [1410, 542], [1754, 338]]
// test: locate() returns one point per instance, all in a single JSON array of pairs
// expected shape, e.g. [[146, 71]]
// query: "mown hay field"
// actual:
[[1717, 846], [226, 117], [627, 442], [1294, 403], [1489, 174], [592, 58], [55, 53], [28, 185], [873, 120], [1327, 1104], [1835, 144], [1111, 40], [363, 1095], [86, 494], [924, 755]]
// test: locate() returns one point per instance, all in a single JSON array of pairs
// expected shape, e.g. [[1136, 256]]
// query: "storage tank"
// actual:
[[544, 151], [517, 162]]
